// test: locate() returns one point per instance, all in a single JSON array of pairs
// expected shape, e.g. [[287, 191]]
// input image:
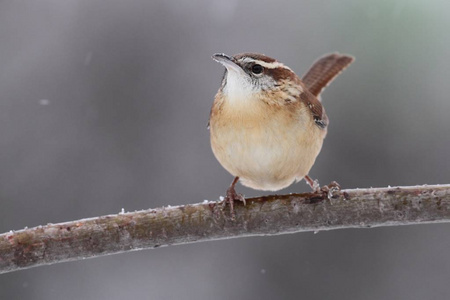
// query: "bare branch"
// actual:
[[357, 208]]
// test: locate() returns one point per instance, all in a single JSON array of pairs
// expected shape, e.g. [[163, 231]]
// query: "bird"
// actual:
[[267, 125]]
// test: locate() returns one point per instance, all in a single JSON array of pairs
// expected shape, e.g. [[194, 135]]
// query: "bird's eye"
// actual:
[[257, 69]]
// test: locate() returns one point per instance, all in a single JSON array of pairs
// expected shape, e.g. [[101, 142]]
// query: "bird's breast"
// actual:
[[267, 147]]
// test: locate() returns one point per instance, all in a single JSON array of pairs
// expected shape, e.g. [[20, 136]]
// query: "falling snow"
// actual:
[[44, 102]]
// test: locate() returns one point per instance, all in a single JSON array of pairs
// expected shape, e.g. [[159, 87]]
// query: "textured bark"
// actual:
[[357, 208]]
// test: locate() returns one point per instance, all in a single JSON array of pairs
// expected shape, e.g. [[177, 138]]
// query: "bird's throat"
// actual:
[[238, 88]]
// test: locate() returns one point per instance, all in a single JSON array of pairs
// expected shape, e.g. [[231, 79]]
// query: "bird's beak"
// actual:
[[228, 62]]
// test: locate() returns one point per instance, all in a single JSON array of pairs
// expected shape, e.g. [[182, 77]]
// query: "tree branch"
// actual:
[[270, 215]]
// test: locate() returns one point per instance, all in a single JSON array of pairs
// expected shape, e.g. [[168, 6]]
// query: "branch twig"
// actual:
[[268, 215]]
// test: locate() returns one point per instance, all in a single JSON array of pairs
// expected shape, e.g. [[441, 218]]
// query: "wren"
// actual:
[[267, 125]]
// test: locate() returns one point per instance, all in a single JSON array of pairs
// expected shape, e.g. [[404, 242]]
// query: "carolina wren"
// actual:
[[267, 126]]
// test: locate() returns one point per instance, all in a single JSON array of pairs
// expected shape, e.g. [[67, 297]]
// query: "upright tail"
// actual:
[[323, 71]]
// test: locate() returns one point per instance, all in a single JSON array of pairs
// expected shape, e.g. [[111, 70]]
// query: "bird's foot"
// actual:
[[231, 197], [314, 184], [330, 191]]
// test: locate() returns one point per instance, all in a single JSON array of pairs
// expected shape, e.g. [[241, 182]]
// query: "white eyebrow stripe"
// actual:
[[272, 65]]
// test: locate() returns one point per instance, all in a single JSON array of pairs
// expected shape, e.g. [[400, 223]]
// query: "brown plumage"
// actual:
[[267, 126], [324, 70]]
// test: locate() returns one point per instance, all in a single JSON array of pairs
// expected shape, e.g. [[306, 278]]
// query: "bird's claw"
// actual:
[[332, 190], [329, 191], [231, 197]]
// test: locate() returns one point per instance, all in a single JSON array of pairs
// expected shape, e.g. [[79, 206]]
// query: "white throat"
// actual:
[[238, 88]]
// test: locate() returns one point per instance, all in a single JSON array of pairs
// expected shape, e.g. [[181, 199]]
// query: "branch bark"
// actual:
[[269, 215]]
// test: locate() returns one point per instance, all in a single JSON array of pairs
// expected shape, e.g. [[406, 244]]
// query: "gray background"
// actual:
[[104, 105]]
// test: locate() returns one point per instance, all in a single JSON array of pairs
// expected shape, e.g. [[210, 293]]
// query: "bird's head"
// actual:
[[250, 75]]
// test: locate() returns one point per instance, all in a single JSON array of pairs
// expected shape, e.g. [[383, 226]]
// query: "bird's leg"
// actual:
[[314, 184], [330, 189], [232, 196]]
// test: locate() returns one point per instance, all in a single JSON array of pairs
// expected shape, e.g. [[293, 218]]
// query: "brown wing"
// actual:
[[324, 71], [316, 108]]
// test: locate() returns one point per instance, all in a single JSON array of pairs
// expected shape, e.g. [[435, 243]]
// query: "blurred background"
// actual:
[[104, 106]]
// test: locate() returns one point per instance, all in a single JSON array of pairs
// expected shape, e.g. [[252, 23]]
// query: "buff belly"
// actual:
[[267, 154]]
